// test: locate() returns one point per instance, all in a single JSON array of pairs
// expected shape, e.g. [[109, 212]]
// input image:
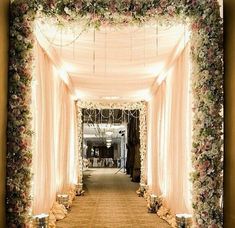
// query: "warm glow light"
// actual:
[[109, 133], [162, 76], [80, 94], [144, 94], [41, 216], [111, 98], [155, 69], [70, 67], [110, 126], [89, 136], [184, 215], [64, 75], [108, 140]]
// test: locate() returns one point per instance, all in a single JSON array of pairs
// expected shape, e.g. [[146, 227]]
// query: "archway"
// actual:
[[141, 106], [207, 87]]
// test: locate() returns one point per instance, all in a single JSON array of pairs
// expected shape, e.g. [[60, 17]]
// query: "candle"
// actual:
[[184, 220], [41, 221], [79, 189], [152, 205], [142, 187], [153, 199], [63, 199]]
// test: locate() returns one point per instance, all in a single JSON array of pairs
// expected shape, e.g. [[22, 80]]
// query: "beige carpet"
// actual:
[[110, 201]]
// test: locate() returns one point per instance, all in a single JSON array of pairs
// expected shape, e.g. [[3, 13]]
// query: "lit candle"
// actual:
[[142, 187], [153, 199], [41, 220], [63, 199], [184, 220]]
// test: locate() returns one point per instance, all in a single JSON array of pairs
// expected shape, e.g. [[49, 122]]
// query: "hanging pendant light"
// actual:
[[109, 133]]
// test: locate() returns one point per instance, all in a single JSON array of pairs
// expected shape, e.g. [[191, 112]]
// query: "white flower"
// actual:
[[67, 10], [19, 37], [40, 7], [200, 221]]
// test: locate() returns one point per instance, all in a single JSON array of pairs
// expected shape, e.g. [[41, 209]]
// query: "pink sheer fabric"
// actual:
[[54, 163], [170, 137]]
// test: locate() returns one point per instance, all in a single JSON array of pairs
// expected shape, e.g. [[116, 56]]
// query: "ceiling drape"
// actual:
[[114, 62]]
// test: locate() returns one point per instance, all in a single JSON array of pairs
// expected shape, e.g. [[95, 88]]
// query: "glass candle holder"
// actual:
[[63, 199], [41, 221], [183, 220]]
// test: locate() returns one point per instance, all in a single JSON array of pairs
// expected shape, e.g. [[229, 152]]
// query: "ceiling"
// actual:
[[121, 62]]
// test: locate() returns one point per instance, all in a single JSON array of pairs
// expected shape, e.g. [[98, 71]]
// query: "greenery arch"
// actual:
[[205, 24]]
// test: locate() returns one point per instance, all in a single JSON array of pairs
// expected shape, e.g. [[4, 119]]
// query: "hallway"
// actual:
[[110, 201]]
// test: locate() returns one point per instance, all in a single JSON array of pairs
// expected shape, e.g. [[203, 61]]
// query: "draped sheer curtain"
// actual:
[[54, 125], [170, 136]]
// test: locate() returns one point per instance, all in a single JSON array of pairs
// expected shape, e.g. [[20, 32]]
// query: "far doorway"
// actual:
[[111, 139]]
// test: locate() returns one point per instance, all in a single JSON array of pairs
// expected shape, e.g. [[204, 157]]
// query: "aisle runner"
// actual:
[[110, 201]]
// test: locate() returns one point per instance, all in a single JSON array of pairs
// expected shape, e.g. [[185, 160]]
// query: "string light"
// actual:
[[56, 34], [97, 119]]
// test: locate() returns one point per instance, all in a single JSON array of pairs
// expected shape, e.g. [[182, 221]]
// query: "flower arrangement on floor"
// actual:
[[205, 24], [159, 207]]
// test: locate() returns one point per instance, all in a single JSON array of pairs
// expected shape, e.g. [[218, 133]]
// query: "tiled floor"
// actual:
[[110, 201]]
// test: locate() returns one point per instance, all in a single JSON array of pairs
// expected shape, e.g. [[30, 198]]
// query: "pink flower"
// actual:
[[24, 7], [22, 129], [204, 213], [195, 26], [171, 10], [78, 5], [51, 3], [194, 3], [128, 13], [159, 10], [163, 3], [204, 166]]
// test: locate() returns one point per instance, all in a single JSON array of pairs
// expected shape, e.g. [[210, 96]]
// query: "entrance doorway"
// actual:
[[111, 139]]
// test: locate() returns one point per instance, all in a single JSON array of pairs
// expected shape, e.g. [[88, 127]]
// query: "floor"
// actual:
[[110, 201]]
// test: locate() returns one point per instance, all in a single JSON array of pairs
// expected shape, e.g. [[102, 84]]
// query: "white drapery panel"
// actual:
[[170, 137], [54, 158]]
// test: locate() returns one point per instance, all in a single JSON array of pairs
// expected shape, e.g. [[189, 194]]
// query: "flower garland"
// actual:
[[207, 87], [79, 146]]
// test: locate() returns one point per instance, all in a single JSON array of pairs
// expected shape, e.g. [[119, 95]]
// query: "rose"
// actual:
[[194, 3], [171, 10], [22, 129], [163, 3], [159, 10], [51, 3], [205, 165], [204, 213], [24, 7], [78, 5]]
